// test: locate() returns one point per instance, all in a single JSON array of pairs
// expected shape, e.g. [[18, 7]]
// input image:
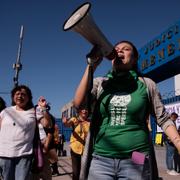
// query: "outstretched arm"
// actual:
[[67, 122], [46, 119]]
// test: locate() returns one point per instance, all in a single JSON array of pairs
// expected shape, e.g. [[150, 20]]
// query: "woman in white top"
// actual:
[[17, 127]]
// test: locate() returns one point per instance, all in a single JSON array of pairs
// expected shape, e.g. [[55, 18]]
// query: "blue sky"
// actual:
[[54, 60]]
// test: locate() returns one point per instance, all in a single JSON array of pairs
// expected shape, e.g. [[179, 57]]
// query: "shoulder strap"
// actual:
[[73, 125], [36, 134]]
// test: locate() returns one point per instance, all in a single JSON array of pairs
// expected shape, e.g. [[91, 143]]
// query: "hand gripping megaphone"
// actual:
[[82, 22]]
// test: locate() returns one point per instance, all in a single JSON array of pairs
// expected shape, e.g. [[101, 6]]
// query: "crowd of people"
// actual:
[[111, 110], [17, 131]]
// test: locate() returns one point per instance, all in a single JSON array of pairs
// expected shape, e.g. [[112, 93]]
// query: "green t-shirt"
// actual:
[[123, 109]]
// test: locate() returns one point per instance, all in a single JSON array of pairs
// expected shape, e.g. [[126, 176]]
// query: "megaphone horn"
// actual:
[[82, 22]]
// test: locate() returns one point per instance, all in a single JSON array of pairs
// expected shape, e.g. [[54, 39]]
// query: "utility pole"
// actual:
[[18, 66]]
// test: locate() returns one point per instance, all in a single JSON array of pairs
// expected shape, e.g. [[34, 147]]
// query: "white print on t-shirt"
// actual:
[[118, 108]]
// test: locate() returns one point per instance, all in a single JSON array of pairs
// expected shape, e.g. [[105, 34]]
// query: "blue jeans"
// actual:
[[169, 156], [16, 168], [103, 168]]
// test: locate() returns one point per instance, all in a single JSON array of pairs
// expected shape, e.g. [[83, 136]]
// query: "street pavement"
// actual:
[[161, 162], [66, 170]]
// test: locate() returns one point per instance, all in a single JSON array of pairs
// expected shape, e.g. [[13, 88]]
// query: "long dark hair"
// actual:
[[28, 91], [2, 104]]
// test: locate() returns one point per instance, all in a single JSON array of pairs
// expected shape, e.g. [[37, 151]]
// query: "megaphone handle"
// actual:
[[91, 76]]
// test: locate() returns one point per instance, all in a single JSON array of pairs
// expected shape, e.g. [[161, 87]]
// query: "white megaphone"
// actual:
[[82, 22]]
